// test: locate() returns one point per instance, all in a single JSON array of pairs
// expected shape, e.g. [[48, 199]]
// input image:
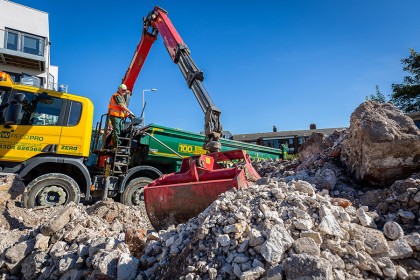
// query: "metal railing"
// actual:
[[20, 41]]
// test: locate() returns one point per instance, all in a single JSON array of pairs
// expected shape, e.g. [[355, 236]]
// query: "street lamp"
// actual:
[[142, 107]]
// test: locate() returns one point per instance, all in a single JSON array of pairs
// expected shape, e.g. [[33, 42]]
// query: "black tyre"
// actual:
[[52, 189], [133, 193]]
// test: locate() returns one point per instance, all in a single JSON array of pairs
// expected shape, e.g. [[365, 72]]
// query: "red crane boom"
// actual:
[[157, 22]]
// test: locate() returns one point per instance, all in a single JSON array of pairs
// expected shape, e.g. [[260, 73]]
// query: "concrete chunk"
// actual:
[[57, 222]]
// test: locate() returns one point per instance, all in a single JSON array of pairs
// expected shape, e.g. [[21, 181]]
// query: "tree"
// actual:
[[406, 96], [379, 97]]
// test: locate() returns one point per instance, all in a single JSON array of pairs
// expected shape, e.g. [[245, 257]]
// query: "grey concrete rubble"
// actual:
[[346, 247], [307, 219], [72, 242], [389, 140]]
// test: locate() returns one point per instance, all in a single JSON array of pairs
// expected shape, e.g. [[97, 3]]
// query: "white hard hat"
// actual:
[[122, 86]]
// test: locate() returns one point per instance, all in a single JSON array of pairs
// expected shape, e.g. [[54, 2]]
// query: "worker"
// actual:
[[118, 110]]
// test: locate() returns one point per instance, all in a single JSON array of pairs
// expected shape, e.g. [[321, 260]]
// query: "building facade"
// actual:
[[25, 45], [292, 139]]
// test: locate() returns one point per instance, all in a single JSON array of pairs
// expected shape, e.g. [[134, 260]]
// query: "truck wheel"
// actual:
[[52, 189], [133, 193]]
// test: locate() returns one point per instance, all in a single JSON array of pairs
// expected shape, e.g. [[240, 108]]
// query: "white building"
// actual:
[[25, 45]]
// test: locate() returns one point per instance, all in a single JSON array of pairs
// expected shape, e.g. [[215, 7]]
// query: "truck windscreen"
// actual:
[[37, 109]]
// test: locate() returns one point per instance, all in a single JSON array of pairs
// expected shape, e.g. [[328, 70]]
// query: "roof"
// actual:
[[18, 4], [283, 134]]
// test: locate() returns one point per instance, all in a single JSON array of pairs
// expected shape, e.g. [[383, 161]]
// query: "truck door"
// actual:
[[77, 127], [73, 134], [38, 128]]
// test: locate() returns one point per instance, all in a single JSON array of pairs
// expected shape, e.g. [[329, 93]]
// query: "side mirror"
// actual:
[[14, 109]]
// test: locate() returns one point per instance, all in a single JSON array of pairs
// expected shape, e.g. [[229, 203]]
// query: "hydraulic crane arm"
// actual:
[[157, 22]]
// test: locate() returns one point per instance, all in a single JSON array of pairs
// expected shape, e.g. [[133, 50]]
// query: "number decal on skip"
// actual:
[[190, 149]]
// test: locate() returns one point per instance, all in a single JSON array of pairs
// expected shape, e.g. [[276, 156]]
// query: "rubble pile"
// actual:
[[73, 241], [283, 229], [309, 219], [271, 230], [370, 234]]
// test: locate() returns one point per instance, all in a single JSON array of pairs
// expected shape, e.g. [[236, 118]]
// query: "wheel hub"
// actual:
[[138, 196], [52, 196]]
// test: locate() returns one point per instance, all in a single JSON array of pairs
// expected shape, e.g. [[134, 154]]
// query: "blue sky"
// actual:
[[283, 63]]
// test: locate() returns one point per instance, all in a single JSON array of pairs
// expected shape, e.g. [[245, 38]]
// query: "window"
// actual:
[[31, 80], [12, 40], [24, 42], [276, 143], [51, 82], [268, 143], [33, 45], [301, 140], [74, 114], [46, 111], [37, 109], [15, 76], [40, 109]]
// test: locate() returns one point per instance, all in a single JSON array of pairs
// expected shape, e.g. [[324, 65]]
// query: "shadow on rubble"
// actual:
[[17, 187], [11, 200], [14, 223]]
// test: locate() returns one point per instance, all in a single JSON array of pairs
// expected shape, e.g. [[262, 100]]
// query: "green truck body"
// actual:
[[164, 147]]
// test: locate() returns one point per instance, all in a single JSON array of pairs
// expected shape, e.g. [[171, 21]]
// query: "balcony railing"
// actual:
[[22, 50], [23, 42]]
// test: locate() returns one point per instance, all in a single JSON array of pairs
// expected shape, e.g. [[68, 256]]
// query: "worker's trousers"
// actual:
[[117, 129]]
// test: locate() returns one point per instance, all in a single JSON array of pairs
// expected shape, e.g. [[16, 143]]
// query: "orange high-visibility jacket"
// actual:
[[114, 109]]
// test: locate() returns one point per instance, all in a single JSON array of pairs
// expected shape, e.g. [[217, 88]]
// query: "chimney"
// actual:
[[312, 126], [274, 128]]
